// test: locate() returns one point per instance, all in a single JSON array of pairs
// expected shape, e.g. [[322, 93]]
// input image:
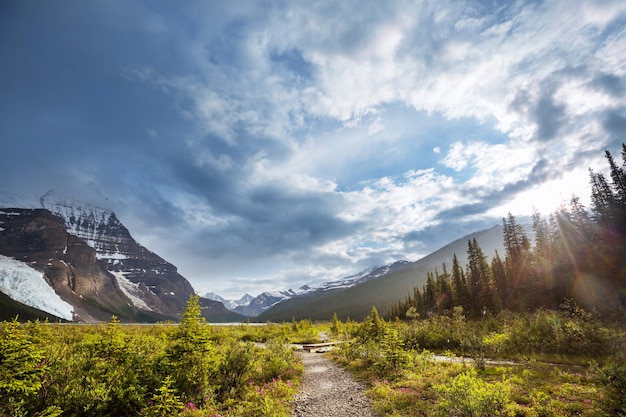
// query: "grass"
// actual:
[[549, 374], [535, 389]]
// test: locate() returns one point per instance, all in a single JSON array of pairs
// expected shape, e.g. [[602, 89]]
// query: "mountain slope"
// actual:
[[26, 285], [356, 302], [120, 277], [68, 264], [253, 306], [150, 282], [215, 312], [230, 304]]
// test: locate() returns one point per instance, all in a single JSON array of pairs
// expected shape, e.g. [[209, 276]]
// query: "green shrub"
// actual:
[[468, 396], [235, 369], [613, 378], [21, 368], [164, 402], [393, 356]]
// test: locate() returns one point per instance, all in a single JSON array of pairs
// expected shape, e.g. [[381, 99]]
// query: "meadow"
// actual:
[[548, 363], [187, 369]]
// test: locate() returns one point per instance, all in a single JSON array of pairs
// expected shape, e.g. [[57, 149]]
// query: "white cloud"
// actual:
[[305, 127]]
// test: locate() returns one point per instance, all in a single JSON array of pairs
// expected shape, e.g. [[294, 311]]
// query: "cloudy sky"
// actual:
[[265, 145]]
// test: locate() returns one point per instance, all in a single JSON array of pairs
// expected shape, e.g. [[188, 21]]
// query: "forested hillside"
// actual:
[[577, 254]]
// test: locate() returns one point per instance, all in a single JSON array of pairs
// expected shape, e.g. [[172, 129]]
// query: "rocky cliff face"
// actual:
[[150, 282], [70, 266]]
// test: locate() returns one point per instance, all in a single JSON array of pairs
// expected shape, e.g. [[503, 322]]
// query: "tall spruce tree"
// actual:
[[517, 250], [501, 287], [479, 279], [459, 285]]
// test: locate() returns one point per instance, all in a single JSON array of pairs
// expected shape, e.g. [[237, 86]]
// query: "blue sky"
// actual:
[[266, 145]]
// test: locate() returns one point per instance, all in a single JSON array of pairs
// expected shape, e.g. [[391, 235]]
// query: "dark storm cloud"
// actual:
[[274, 223], [549, 117], [610, 84], [542, 109], [614, 122]]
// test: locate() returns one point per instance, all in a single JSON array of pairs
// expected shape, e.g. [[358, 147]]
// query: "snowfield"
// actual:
[[28, 286], [131, 290]]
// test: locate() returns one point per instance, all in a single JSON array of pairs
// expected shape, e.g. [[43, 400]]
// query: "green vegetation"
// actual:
[[407, 379], [559, 301], [191, 369], [543, 330]]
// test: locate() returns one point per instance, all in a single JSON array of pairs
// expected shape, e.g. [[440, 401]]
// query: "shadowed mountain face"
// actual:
[[384, 291]]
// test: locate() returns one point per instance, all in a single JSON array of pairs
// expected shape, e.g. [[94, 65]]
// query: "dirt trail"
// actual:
[[329, 391]]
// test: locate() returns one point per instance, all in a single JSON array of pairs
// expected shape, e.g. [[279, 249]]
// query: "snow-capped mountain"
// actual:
[[266, 300], [230, 304], [88, 261], [149, 282]]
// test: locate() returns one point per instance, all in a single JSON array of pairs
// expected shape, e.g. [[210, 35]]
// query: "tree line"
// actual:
[[575, 255]]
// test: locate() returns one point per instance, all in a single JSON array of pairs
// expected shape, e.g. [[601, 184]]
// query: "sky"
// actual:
[[263, 145]]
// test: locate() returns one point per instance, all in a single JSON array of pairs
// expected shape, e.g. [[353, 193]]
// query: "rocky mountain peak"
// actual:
[[86, 253]]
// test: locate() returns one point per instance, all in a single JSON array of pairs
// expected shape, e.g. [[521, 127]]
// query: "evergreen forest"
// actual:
[[576, 256]]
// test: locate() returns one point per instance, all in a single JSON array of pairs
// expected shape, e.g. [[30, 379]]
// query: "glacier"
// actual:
[[28, 286], [130, 290]]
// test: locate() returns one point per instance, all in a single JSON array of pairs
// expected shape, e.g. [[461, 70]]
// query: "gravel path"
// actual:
[[329, 391]]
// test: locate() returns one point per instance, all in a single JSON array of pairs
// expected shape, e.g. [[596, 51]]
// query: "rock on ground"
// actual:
[[329, 391]]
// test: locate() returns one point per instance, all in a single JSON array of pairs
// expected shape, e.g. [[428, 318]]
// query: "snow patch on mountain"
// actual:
[[92, 224], [28, 286], [131, 290], [230, 304]]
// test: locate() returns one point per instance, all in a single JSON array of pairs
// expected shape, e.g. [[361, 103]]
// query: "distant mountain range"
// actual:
[[254, 306], [382, 291], [75, 261]]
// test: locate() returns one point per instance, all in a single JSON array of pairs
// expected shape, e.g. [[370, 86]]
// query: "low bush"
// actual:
[[469, 396]]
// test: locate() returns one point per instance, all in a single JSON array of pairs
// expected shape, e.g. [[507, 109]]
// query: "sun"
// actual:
[[547, 197]]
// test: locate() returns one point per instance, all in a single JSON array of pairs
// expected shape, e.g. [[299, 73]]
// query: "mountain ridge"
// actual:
[[357, 301], [266, 300]]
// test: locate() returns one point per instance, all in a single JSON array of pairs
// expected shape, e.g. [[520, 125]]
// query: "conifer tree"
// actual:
[[603, 200], [418, 302], [445, 299], [430, 293], [479, 279], [192, 358], [501, 288], [516, 247], [459, 285]]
